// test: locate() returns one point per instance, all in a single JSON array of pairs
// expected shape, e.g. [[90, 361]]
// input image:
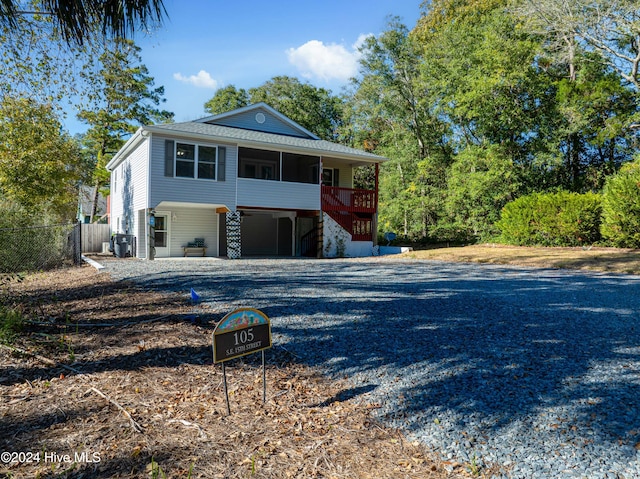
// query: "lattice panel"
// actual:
[[234, 243]]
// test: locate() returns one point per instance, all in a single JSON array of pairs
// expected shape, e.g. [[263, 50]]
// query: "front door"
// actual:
[[162, 235]]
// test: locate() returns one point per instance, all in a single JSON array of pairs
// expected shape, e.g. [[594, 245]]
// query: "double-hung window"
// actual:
[[207, 162], [185, 160], [195, 161]]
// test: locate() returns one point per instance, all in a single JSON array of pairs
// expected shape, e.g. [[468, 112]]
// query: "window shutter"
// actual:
[[336, 177], [222, 163], [168, 157]]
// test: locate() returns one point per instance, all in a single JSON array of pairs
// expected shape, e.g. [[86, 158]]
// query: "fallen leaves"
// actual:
[[159, 376]]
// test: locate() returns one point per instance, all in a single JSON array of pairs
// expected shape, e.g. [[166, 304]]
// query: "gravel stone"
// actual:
[[536, 372]]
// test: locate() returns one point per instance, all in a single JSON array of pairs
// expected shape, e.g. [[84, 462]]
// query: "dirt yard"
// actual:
[[107, 380], [609, 260]]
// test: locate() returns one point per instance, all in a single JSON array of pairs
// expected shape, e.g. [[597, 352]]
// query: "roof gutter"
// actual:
[[131, 144], [262, 144]]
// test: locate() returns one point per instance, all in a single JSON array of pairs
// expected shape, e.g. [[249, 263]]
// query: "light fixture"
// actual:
[[174, 217]]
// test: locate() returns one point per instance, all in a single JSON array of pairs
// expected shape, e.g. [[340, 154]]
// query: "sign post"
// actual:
[[241, 332]]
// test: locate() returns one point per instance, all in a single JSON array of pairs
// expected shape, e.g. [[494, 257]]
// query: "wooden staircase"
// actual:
[[352, 209]]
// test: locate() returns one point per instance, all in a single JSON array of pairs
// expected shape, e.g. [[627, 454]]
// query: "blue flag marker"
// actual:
[[194, 296]]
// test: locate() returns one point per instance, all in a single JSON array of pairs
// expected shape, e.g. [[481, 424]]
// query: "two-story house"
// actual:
[[247, 182]]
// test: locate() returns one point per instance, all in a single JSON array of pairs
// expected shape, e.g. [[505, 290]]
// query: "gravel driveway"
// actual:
[[536, 371]]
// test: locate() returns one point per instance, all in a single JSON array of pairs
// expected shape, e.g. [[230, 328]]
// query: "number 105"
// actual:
[[243, 336]]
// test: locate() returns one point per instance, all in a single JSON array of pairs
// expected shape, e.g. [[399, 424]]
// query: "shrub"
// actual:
[[11, 323], [552, 219], [621, 207]]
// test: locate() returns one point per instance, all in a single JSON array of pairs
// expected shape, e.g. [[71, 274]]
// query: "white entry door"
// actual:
[[162, 234]]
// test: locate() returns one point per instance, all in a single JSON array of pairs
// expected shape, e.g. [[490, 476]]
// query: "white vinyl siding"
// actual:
[[345, 172], [190, 223], [130, 194], [190, 190], [278, 194]]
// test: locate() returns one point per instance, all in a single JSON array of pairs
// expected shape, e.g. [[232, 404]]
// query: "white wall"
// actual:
[[129, 191], [192, 190], [337, 241], [190, 223], [278, 194]]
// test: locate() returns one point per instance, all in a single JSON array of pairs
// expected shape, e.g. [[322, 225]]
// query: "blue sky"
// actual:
[[208, 44]]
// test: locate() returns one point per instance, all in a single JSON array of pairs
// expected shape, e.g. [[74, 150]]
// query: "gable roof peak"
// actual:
[[223, 118]]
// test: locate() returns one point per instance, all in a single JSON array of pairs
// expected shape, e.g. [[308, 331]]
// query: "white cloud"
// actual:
[[314, 59], [201, 80], [360, 42]]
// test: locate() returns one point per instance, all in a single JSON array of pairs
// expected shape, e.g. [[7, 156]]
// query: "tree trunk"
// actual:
[[94, 201]]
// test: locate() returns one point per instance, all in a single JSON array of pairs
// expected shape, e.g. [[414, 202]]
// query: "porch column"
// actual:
[[374, 225], [234, 243], [377, 183]]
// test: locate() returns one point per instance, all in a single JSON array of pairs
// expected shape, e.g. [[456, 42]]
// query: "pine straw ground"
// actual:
[[115, 381]]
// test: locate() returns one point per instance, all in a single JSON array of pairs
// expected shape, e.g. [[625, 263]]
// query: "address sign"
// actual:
[[243, 331]]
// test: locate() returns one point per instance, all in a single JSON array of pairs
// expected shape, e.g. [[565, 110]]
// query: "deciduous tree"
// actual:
[[391, 112], [39, 164], [313, 108], [227, 99], [316, 109], [612, 29]]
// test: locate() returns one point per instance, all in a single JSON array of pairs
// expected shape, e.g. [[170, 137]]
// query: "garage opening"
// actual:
[[267, 234]]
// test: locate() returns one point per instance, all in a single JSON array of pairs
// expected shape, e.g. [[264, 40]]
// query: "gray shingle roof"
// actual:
[[259, 138]]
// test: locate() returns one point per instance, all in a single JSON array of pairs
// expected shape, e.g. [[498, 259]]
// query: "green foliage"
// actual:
[[27, 245], [481, 181], [11, 324], [315, 109], [594, 109], [478, 104], [552, 219], [39, 165], [78, 19], [11, 319], [390, 113], [227, 99], [608, 29], [155, 470], [621, 207], [123, 97], [36, 62], [481, 70], [411, 191]]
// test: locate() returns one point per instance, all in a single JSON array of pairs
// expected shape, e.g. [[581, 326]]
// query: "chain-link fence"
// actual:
[[39, 247]]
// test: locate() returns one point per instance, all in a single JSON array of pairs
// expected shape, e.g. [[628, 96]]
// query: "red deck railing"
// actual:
[[348, 199], [351, 208]]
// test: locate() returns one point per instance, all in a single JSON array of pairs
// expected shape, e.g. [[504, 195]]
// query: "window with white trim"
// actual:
[[195, 161]]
